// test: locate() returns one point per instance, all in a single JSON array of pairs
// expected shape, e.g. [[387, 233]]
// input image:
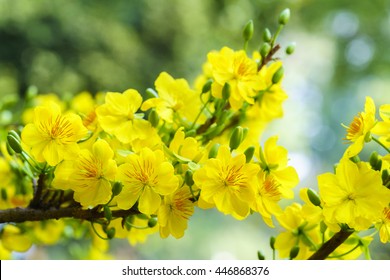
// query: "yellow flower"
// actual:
[[174, 213], [228, 182], [118, 116], [52, 136], [382, 128], [299, 233], [235, 68], [145, 177], [360, 128], [47, 232], [384, 226], [85, 105], [186, 147], [41, 100], [89, 175], [274, 160], [267, 196], [13, 239], [175, 96], [354, 195]]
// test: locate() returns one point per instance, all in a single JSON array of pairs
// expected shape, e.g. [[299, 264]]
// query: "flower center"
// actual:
[[355, 129]]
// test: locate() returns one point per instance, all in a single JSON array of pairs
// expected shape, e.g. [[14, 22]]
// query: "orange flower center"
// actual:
[[355, 129]]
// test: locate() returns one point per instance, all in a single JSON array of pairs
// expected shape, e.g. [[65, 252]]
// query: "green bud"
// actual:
[[9, 149], [313, 197], [188, 178], [385, 176], [191, 133], [116, 188], [284, 16], [272, 242], [248, 31], [236, 138], [294, 252], [265, 49], [110, 233], [260, 256], [207, 86], [367, 137], [375, 161], [323, 227], [214, 151], [14, 142], [267, 36], [107, 213], [290, 48], [152, 222], [278, 75], [226, 91], [153, 118], [355, 159], [151, 93], [249, 152], [4, 195]]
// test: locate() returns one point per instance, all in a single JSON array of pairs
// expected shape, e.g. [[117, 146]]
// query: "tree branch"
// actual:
[[20, 215], [328, 247]]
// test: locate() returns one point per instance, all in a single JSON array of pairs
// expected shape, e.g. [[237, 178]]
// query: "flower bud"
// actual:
[[214, 151], [284, 16], [313, 197], [290, 48], [272, 242], [265, 49], [153, 118], [260, 256], [116, 188], [107, 213], [249, 152], [4, 195], [188, 178], [367, 137], [226, 91], [110, 233], [248, 31], [152, 222], [385, 176], [14, 141], [375, 161], [267, 36], [323, 227], [236, 138], [151, 93], [278, 75], [207, 86], [294, 252]]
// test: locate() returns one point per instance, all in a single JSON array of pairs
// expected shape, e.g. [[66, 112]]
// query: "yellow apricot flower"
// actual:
[[382, 128], [186, 147], [89, 175], [267, 196], [47, 232], [228, 182], [145, 176], [14, 239], [274, 160], [235, 68], [174, 213], [360, 128], [354, 195], [384, 226], [84, 105], [299, 232], [53, 136], [118, 116], [174, 96]]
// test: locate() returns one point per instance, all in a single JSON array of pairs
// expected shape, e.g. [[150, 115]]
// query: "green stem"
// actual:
[[200, 112], [381, 144], [346, 253], [95, 231]]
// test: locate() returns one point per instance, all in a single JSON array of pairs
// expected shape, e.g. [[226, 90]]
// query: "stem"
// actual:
[[38, 189], [328, 247], [269, 56], [346, 253], [381, 144], [20, 215]]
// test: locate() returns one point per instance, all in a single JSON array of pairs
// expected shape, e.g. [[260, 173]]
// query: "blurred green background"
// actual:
[[342, 55]]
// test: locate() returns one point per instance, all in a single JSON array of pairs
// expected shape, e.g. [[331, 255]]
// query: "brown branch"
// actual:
[[328, 247], [20, 215], [269, 56]]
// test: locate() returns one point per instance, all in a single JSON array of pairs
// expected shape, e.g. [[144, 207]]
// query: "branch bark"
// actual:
[[20, 215], [328, 247]]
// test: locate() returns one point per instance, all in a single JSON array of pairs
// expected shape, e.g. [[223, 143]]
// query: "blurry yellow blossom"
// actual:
[[235, 68], [174, 97], [41, 100], [360, 128], [13, 239], [145, 176], [229, 182], [118, 116], [382, 128], [186, 147], [384, 226], [174, 213], [48, 232], [89, 175], [354, 195], [53, 136], [84, 105]]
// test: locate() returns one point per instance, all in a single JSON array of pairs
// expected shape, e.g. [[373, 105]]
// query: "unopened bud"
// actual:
[[323, 227], [152, 222], [313, 197], [367, 137], [116, 188], [151, 93], [214, 151], [290, 48], [272, 242], [236, 138], [265, 49], [278, 75], [267, 36], [248, 31], [375, 161], [284, 16], [107, 213], [249, 152], [110, 233], [226, 91], [188, 178], [260, 256], [385, 176], [14, 141], [207, 86], [4, 195], [294, 252], [153, 118]]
